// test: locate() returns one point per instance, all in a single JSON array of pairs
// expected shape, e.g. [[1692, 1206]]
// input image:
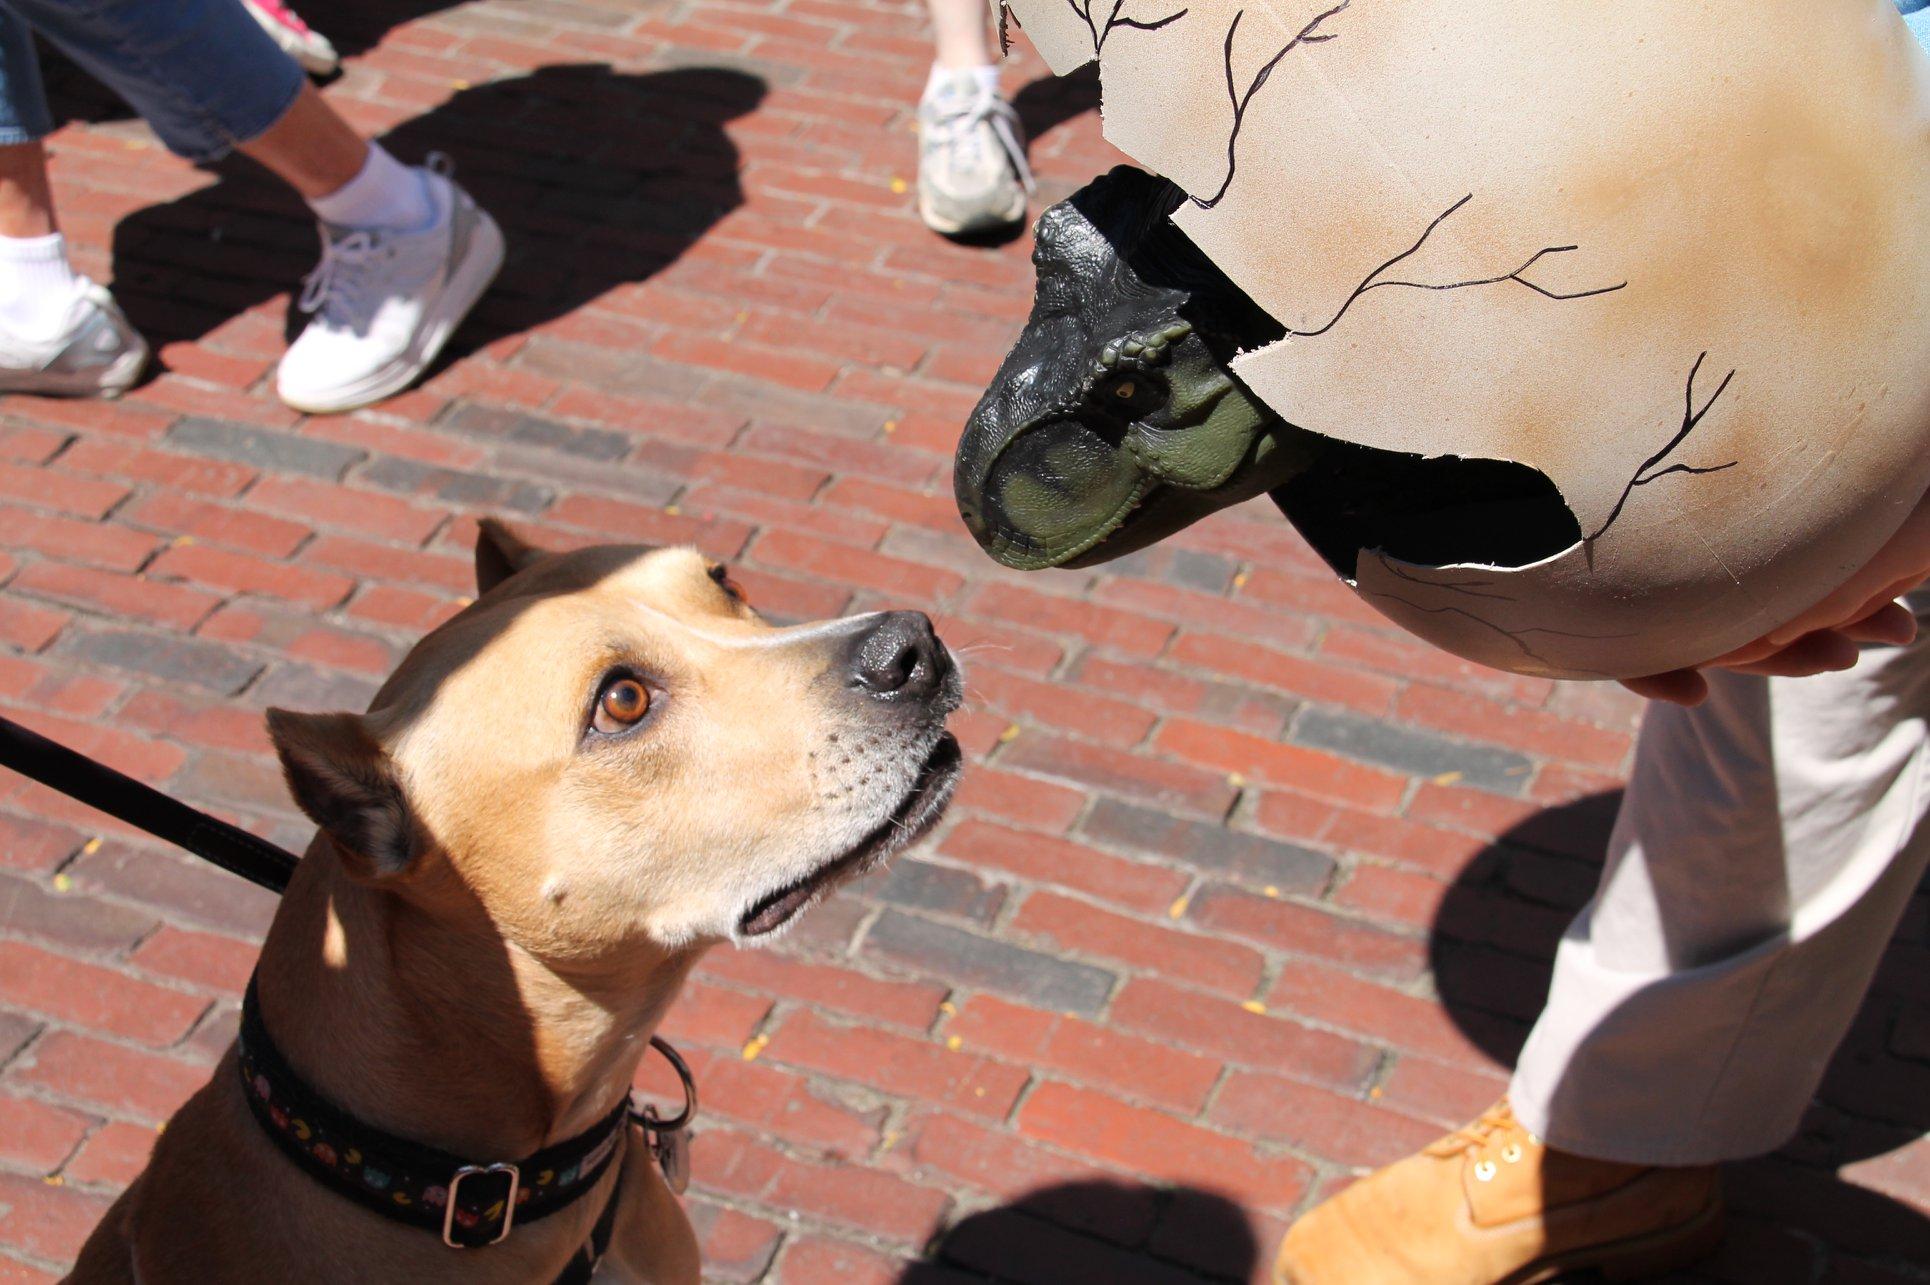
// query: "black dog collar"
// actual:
[[469, 1202]]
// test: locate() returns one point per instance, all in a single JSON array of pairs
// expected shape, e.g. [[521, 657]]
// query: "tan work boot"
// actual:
[[1492, 1205]]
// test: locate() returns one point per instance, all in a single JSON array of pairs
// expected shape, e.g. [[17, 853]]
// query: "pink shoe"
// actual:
[[309, 48]]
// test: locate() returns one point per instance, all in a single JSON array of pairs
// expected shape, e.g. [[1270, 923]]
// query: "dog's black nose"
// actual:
[[899, 656]]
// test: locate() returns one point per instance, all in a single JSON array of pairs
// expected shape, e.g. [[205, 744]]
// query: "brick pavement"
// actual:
[[1244, 891]]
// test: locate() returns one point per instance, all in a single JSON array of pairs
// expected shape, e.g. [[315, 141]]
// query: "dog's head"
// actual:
[[610, 746]]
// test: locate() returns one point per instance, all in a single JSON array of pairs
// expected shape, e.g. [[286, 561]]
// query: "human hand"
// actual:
[[1827, 637]]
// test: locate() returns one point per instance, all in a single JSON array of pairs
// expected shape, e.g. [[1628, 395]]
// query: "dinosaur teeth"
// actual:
[[1109, 355]]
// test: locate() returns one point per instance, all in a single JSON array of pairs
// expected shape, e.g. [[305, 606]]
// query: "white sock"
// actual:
[[986, 77], [37, 285], [384, 194]]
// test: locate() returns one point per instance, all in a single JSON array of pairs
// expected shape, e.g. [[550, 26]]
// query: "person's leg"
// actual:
[[1767, 846], [972, 174], [59, 333], [403, 247]]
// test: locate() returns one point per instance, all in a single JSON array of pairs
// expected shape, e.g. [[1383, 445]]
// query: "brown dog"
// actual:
[[564, 795]]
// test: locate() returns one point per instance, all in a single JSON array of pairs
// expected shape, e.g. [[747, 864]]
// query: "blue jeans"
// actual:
[[203, 73]]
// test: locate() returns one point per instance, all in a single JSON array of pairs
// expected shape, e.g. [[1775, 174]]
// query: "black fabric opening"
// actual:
[[1431, 512]]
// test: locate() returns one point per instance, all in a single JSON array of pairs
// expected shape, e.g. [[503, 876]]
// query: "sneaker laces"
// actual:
[[337, 292], [955, 126]]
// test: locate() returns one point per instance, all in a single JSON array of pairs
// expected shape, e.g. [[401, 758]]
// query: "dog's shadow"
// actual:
[[599, 179], [1096, 1233], [1492, 949]]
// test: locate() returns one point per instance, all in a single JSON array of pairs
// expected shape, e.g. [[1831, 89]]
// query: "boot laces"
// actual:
[[955, 126], [1495, 1125]]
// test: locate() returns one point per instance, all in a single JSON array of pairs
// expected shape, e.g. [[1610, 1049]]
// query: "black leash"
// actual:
[[102, 788], [259, 862]]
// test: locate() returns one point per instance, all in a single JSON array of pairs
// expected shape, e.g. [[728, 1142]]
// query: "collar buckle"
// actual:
[[509, 1202]]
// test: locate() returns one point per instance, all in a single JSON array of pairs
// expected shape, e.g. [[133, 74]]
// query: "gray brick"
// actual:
[[285, 452], [609, 370], [194, 661], [178, 884], [412, 477], [944, 890], [1187, 568], [968, 959], [297, 686], [533, 430], [28, 909], [1212, 849], [1408, 749]]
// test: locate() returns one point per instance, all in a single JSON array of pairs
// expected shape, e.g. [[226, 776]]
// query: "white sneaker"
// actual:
[[384, 303], [972, 175], [297, 39], [96, 354]]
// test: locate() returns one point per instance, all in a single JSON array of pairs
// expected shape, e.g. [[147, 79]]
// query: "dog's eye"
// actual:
[[620, 705], [721, 575]]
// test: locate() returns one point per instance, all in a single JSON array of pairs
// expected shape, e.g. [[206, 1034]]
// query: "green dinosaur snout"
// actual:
[[1114, 421]]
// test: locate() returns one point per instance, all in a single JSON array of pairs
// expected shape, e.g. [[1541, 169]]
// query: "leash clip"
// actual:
[[509, 1202], [670, 1139]]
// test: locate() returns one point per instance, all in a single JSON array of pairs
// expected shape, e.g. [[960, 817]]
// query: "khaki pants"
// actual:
[[1767, 847]]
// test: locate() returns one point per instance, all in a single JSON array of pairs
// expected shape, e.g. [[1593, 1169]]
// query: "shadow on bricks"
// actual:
[[599, 178], [1096, 1233], [1492, 950]]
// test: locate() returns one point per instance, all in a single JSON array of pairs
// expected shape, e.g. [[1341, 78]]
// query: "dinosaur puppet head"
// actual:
[[1114, 421]]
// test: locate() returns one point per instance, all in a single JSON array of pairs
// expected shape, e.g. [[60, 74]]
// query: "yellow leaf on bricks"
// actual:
[[1178, 908], [1254, 1006], [755, 1046], [954, 1043]]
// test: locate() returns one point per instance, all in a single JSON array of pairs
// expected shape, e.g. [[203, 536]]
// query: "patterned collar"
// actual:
[[469, 1202]]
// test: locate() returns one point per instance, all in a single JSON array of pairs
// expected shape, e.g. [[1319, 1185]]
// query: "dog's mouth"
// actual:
[[915, 814]]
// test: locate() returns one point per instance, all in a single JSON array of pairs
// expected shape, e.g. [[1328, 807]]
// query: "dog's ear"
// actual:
[[347, 784], [500, 554]]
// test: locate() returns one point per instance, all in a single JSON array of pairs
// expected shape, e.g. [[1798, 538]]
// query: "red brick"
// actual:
[[1335, 1127], [1313, 679], [37, 1137], [774, 1101], [715, 1015], [1148, 779], [1448, 1095], [50, 1222], [1056, 705], [1293, 767], [617, 521], [794, 552], [1021, 800], [1241, 1035], [866, 1199], [1397, 896], [95, 997], [27, 626], [101, 545], [224, 569], [402, 608], [1066, 864], [113, 593], [912, 1004], [386, 562], [750, 472], [1374, 1011], [206, 961], [1304, 930], [192, 473], [1087, 1052], [1120, 631], [1159, 1146], [1082, 929], [1409, 658], [329, 505], [108, 1077], [898, 1064], [114, 1155], [222, 524], [814, 1260], [213, 723], [41, 488], [35, 847], [1523, 729]]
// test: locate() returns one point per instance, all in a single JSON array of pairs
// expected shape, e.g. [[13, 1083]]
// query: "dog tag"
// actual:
[[672, 1150]]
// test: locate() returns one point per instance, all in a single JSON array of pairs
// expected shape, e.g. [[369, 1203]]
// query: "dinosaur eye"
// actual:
[[1124, 391], [1132, 395], [620, 705]]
